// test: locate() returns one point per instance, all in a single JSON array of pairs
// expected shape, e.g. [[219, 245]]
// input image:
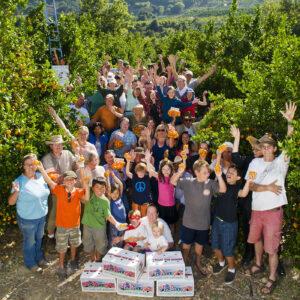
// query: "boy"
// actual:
[[198, 193], [225, 223], [96, 213], [67, 215]]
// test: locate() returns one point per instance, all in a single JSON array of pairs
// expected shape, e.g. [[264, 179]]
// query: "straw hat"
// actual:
[[55, 139]]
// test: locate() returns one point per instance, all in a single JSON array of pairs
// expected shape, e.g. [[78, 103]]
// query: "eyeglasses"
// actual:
[[255, 150], [134, 217], [160, 130], [69, 197], [266, 147]]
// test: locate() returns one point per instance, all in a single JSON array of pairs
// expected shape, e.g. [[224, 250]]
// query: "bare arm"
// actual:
[[48, 180], [174, 179], [127, 170], [163, 68], [244, 192], [60, 123], [272, 187], [86, 185], [12, 199], [236, 134], [118, 181], [222, 184], [209, 73], [151, 170]]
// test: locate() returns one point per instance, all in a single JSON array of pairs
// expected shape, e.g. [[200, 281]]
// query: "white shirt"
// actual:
[[98, 172], [189, 130], [155, 244], [167, 232], [266, 173], [137, 233], [83, 111]]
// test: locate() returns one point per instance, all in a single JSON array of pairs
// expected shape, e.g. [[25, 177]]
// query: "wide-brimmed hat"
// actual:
[[178, 159], [55, 139], [266, 139]]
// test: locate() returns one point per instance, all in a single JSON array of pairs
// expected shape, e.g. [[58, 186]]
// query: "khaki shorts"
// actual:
[[67, 235], [94, 238]]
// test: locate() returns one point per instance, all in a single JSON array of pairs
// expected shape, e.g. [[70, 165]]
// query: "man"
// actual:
[[107, 115], [56, 163], [80, 109], [188, 125], [269, 197], [119, 67]]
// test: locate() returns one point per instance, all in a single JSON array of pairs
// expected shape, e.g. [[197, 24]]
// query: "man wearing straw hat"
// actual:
[[56, 163]]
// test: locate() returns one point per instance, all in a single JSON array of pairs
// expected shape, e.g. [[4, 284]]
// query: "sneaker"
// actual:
[[62, 274], [217, 268], [229, 278], [43, 264], [36, 270], [74, 265]]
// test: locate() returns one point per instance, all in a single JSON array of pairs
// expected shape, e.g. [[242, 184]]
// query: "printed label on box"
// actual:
[[178, 287], [167, 265]]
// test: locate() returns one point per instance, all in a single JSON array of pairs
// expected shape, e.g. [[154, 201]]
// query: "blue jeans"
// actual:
[[32, 231]]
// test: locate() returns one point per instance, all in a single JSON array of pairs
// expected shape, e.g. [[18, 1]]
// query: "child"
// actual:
[[158, 242], [67, 215], [166, 200], [225, 223], [198, 193], [135, 234], [116, 207], [171, 101], [141, 195], [96, 213]]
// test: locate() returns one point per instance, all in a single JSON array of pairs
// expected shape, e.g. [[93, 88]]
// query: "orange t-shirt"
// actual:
[[67, 213], [106, 117]]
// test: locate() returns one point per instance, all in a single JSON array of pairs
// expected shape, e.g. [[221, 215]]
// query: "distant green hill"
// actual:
[[144, 10]]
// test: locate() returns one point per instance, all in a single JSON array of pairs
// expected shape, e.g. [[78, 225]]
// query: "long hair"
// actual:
[[180, 144], [161, 176]]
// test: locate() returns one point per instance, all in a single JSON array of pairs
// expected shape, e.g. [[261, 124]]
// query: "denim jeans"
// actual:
[[32, 231]]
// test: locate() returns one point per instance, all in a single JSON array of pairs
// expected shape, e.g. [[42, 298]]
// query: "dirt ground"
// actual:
[[16, 282]]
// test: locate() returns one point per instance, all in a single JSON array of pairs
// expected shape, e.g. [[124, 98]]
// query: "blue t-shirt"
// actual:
[[118, 210], [141, 189], [128, 139], [32, 202]]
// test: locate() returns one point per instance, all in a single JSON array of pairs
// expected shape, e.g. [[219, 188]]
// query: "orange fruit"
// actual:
[[36, 162], [8, 132], [181, 166], [106, 174]]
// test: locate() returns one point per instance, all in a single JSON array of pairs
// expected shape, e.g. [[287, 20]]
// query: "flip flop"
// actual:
[[260, 269], [270, 288]]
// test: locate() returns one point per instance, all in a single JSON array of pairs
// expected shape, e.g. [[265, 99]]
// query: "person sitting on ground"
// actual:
[[157, 242], [269, 197], [198, 193], [135, 235]]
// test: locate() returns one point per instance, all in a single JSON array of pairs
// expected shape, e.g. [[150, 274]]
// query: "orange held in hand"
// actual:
[[106, 174], [74, 144], [181, 166], [127, 156], [186, 147], [119, 164], [53, 175], [81, 159], [173, 134], [36, 162], [252, 174], [183, 155], [119, 144], [202, 153], [174, 112], [218, 169], [222, 147]]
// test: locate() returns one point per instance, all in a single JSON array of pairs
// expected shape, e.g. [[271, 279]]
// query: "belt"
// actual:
[[275, 209]]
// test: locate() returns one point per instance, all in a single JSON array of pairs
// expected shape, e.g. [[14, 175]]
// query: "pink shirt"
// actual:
[[166, 193]]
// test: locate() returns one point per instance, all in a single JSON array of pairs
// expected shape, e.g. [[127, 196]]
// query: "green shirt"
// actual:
[[96, 211]]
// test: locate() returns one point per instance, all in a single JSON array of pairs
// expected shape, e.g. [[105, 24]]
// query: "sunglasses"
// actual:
[[160, 130], [69, 197], [188, 120], [136, 217]]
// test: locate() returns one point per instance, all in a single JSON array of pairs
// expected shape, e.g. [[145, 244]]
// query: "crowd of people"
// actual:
[[135, 166]]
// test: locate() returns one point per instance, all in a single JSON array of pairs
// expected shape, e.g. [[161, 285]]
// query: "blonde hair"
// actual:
[[89, 156], [140, 167], [200, 164], [159, 126], [138, 106], [159, 225], [83, 129]]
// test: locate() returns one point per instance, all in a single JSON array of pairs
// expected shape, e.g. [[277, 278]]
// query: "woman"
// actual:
[[138, 120], [80, 145], [161, 144], [155, 107], [132, 94], [122, 140], [30, 193], [91, 167], [183, 141], [99, 139]]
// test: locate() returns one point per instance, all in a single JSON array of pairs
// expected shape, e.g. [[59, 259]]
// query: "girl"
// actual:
[[166, 200], [158, 242], [189, 96], [116, 207]]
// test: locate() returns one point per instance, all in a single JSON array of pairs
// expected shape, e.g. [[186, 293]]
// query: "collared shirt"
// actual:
[[65, 162]]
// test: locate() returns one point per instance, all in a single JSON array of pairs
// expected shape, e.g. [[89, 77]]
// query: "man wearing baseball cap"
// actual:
[[269, 197]]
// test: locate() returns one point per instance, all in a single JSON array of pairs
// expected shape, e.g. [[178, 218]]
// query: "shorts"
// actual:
[[224, 236], [266, 225], [94, 238], [190, 236], [52, 200], [67, 235], [142, 208], [168, 213]]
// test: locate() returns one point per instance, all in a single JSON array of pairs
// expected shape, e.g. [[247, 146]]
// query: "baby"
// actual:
[[157, 242], [135, 234]]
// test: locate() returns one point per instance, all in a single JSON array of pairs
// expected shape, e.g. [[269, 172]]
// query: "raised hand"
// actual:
[[51, 111], [16, 187], [290, 109], [235, 132]]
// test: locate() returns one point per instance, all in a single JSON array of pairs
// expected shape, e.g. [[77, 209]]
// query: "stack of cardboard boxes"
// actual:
[[124, 272]]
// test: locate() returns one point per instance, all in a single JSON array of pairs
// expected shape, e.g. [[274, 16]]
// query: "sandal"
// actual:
[[270, 288], [260, 269], [203, 272]]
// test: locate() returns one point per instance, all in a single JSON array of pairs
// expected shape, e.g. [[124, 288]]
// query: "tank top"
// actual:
[[158, 153]]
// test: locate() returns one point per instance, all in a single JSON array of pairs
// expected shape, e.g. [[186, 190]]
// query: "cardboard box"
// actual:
[[93, 280], [123, 264], [169, 264], [177, 287], [143, 288]]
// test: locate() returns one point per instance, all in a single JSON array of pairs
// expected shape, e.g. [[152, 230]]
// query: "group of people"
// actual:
[[135, 114]]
